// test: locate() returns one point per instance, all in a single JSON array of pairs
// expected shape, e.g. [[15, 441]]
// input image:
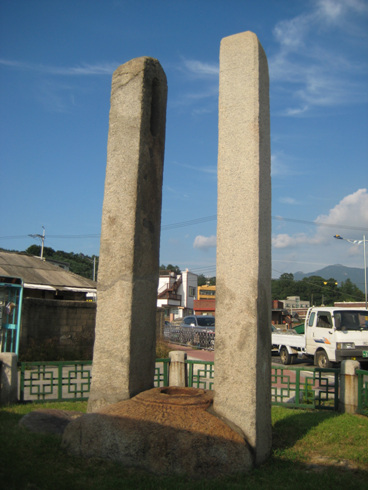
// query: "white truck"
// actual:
[[331, 335]]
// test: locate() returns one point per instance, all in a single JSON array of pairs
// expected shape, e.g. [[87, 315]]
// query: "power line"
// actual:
[[182, 224], [333, 225], [190, 222]]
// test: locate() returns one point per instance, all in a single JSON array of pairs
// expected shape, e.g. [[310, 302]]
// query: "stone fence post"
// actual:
[[348, 401], [177, 370], [8, 378]]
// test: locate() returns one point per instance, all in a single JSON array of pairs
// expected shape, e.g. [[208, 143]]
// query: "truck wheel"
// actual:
[[322, 360], [285, 357]]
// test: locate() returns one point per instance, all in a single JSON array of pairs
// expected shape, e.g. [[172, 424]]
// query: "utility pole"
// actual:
[[42, 238], [94, 268]]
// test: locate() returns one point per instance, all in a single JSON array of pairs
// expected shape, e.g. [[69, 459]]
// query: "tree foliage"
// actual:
[[203, 280], [315, 289], [170, 268]]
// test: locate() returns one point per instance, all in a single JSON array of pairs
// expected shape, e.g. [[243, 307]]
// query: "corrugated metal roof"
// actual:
[[35, 271]]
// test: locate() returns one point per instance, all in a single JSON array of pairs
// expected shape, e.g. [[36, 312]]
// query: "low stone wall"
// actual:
[[57, 330]]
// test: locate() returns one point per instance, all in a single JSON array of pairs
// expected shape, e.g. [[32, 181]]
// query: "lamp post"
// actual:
[[358, 242]]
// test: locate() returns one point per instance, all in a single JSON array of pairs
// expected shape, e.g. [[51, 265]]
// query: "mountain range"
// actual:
[[338, 272]]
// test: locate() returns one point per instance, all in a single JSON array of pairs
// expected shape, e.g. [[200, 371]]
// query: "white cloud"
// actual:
[[352, 211], [291, 33], [288, 200], [82, 69], [278, 167], [282, 165], [201, 90], [296, 111], [204, 243], [200, 69], [318, 72], [282, 240], [206, 169], [335, 11], [349, 217]]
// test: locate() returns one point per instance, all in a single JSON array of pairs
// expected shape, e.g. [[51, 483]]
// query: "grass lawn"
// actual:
[[311, 449]]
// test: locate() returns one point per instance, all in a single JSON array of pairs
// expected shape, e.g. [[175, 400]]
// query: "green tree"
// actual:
[[350, 292], [283, 287], [171, 268], [203, 280], [315, 289]]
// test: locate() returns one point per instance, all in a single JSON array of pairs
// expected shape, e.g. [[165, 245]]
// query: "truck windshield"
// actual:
[[351, 320]]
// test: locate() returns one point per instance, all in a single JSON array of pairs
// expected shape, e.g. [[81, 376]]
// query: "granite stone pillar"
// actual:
[[243, 283], [124, 350], [8, 378]]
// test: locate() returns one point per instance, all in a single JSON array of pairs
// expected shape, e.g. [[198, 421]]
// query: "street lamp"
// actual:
[[358, 242]]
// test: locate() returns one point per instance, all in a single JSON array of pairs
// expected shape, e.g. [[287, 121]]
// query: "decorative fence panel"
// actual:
[[161, 372], [305, 388], [290, 386], [55, 381], [71, 381], [294, 387], [200, 374]]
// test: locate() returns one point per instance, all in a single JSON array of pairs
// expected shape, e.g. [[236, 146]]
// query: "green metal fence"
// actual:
[[71, 380], [362, 391], [161, 372], [290, 386], [305, 387], [55, 381], [200, 374]]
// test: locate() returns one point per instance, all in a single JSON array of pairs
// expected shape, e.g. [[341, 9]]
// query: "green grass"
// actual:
[[311, 449]]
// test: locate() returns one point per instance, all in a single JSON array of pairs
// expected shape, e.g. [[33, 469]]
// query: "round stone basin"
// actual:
[[174, 395], [166, 430]]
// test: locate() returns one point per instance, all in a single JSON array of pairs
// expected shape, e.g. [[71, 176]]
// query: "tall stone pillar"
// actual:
[[124, 350], [243, 282]]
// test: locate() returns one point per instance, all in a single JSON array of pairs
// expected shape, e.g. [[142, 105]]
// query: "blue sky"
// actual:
[[56, 63]]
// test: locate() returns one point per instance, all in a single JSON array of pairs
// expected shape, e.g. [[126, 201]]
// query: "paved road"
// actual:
[[201, 355], [205, 355]]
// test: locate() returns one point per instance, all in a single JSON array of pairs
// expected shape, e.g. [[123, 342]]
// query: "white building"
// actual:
[[294, 302], [176, 293]]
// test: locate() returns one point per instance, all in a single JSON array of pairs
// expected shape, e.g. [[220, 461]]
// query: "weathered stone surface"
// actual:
[[8, 378], [48, 421], [163, 430], [348, 401], [243, 296], [124, 349]]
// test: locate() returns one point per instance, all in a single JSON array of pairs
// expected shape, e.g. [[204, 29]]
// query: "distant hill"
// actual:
[[338, 272]]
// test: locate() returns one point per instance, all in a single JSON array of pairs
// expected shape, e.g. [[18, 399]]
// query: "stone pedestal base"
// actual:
[[165, 431]]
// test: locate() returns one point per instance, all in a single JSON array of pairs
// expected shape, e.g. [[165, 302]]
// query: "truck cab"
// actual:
[[336, 334]]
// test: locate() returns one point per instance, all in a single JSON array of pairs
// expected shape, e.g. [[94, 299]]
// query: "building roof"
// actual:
[[40, 274]]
